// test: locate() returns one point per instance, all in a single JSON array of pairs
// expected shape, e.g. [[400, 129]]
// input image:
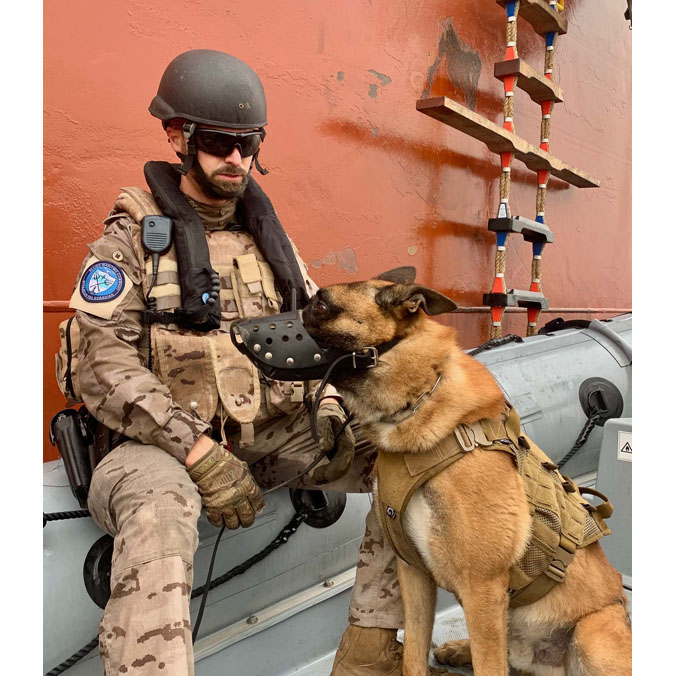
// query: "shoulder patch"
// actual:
[[101, 288], [101, 282]]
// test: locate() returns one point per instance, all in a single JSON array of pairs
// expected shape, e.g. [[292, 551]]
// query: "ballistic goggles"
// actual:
[[222, 143]]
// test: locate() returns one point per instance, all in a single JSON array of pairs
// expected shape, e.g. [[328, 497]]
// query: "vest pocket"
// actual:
[[184, 365], [248, 297]]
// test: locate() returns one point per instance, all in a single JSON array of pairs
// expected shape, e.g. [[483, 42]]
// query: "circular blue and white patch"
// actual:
[[101, 282]]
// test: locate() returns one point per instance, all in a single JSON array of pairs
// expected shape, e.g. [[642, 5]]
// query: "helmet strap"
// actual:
[[188, 135], [258, 166], [256, 162]]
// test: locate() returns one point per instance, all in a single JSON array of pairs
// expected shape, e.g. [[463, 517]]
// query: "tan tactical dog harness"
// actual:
[[562, 519]]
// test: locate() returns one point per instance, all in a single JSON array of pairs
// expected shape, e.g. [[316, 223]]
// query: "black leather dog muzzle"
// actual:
[[282, 349]]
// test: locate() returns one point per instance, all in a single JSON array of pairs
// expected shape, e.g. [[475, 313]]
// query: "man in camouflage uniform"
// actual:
[[166, 411]]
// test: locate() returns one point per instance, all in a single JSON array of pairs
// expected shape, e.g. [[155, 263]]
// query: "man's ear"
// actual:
[[403, 275], [176, 139], [411, 297]]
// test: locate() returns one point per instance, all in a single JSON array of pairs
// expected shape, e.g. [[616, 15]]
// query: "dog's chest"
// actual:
[[417, 524]]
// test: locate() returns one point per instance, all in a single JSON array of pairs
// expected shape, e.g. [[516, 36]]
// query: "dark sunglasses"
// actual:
[[222, 143]]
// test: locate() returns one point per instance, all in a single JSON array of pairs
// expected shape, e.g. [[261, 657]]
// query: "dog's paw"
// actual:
[[454, 653]]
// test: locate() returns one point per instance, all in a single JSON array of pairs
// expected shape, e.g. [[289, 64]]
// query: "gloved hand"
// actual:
[[229, 492], [330, 418]]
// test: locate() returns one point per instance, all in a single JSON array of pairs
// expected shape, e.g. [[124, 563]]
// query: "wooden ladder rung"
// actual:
[[500, 140], [539, 87], [540, 16]]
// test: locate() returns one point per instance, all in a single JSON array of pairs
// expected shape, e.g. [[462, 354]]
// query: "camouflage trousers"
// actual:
[[145, 499]]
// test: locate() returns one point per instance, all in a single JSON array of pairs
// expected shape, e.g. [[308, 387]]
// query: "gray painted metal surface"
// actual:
[[541, 377], [298, 619], [614, 480]]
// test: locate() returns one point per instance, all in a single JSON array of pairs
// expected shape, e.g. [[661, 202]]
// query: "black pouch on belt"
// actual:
[[70, 431]]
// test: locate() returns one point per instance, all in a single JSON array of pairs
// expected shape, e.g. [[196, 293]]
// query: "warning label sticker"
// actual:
[[624, 446]]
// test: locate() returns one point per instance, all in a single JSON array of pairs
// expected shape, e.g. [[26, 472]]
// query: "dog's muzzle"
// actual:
[[282, 349]]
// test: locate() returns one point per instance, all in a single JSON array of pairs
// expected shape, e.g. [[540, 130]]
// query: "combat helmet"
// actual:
[[205, 86]]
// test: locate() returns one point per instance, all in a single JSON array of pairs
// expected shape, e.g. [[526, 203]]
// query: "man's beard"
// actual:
[[216, 188]]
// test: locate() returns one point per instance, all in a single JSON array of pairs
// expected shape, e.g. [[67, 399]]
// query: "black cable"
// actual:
[[496, 342], [67, 664], [198, 621], [322, 386], [59, 516], [282, 537], [582, 438]]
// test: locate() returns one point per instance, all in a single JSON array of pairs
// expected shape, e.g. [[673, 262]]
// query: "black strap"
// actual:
[[559, 324], [261, 221], [260, 218], [157, 317], [384, 347], [192, 252]]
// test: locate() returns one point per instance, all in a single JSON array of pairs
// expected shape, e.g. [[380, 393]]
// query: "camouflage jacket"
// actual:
[[195, 376]]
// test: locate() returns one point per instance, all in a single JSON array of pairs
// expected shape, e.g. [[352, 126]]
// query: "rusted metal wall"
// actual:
[[361, 181]]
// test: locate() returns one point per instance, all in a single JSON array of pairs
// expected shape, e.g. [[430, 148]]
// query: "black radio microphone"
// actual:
[[156, 238]]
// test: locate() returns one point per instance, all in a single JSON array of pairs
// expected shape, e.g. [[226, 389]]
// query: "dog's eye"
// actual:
[[320, 307]]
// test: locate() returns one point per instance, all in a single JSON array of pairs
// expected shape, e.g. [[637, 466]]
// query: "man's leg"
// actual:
[[145, 499], [282, 448]]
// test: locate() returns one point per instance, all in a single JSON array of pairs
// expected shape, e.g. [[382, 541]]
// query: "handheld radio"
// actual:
[[156, 238]]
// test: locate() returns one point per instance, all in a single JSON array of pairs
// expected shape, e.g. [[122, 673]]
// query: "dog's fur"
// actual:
[[470, 522]]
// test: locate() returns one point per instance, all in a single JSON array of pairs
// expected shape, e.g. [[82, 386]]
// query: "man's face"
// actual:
[[218, 177]]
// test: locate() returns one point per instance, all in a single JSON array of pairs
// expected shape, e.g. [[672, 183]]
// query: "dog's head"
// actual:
[[351, 317]]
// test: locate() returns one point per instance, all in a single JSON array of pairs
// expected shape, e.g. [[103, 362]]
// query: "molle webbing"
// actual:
[[562, 520]]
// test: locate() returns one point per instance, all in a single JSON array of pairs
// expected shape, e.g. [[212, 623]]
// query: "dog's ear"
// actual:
[[403, 275], [412, 297]]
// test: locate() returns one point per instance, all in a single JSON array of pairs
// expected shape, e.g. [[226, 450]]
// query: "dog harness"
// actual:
[[562, 520]]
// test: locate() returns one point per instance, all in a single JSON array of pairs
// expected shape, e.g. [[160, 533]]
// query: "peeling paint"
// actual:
[[384, 81], [463, 65], [345, 258], [413, 250], [374, 132], [341, 76]]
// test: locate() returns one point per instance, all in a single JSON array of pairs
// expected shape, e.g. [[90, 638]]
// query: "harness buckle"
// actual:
[[556, 572], [562, 558], [465, 445]]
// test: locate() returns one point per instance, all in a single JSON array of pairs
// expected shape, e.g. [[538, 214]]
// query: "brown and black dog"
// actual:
[[470, 523]]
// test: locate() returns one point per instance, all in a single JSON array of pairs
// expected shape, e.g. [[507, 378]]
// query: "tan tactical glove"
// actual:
[[229, 492], [330, 419]]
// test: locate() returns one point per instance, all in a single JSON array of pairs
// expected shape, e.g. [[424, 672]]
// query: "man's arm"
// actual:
[[115, 383]]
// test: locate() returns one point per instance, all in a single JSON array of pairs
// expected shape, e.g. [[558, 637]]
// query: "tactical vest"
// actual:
[[205, 373], [562, 520]]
